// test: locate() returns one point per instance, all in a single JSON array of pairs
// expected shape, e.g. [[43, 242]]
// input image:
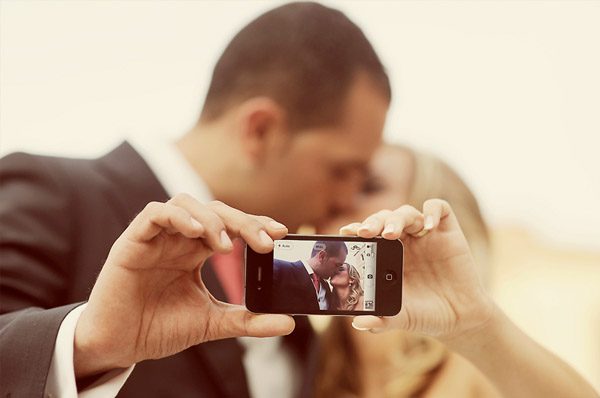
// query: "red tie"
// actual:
[[315, 280], [229, 271]]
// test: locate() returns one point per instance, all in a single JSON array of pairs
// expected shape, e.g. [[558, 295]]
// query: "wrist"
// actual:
[[91, 352], [487, 329]]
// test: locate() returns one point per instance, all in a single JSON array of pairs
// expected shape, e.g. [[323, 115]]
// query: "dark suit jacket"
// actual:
[[293, 290], [58, 220]]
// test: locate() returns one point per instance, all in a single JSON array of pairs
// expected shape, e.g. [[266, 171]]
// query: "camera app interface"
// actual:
[[327, 275]]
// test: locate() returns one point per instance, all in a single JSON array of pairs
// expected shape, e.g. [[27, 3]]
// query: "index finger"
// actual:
[[437, 212], [215, 235], [258, 231]]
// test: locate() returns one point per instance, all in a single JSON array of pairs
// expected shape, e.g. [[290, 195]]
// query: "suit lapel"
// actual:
[[299, 340], [131, 184], [304, 278], [136, 185]]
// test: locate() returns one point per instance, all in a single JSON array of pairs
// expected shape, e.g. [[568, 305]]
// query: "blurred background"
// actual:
[[507, 92]]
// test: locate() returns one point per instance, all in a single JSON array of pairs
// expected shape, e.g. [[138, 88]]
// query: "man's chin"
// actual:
[[327, 230], [306, 229], [324, 228]]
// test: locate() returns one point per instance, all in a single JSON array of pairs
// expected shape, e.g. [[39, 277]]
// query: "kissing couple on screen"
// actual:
[[326, 281]]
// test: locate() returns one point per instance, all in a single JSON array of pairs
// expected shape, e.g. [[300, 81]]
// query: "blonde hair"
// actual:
[[434, 178], [410, 371], [356, 291]]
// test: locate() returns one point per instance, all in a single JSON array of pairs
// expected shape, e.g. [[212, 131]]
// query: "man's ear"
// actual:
[[322, 255], [262, 128]]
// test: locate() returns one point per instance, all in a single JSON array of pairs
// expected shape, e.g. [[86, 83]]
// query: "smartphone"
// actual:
[[327, 275]]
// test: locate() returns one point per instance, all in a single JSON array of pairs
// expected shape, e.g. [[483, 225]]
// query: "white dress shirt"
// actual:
[[270, 368]]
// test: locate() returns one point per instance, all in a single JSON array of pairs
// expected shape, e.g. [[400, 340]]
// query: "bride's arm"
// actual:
[[443, 297]]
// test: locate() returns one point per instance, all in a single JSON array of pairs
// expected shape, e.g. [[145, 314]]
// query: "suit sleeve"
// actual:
[[34, 253]]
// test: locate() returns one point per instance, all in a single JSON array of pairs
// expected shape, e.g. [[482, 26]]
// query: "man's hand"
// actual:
[[442, 293], [149, 301]]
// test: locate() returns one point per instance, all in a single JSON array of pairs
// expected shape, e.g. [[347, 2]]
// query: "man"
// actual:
[[295, 108], [298, 287]]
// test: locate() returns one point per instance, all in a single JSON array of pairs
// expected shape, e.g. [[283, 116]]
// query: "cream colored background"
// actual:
[[507, 92]]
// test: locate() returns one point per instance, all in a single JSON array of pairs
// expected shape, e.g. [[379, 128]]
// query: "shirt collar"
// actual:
[[172, 169], [308, 268]]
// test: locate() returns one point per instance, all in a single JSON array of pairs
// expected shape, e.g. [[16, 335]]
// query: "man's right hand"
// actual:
[[149, 301]]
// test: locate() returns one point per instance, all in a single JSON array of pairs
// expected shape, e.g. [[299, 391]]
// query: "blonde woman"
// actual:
[[348, 294], [444, 296]]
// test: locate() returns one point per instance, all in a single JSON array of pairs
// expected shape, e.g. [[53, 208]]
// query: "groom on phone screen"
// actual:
[[301, 286]]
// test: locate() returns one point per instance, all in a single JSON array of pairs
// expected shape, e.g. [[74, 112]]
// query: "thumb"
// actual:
[[238, 321], [377, 324], [266, 325], [370, 323]]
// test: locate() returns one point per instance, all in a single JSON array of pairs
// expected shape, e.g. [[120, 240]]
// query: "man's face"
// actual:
[[331, 264], [321, 170], [387, 187]]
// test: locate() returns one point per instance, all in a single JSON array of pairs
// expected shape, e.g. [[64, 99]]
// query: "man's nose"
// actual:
[[345, 199]]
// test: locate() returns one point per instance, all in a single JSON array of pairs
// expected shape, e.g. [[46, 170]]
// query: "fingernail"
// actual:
[[388, 229], [277, 225], [225, 241], [428, 222], [195, 224], [359, 328], [265, 238]]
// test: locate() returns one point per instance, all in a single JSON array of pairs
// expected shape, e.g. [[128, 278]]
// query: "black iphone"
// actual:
[[326, 274]]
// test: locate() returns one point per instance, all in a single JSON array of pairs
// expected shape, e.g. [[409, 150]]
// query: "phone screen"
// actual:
[[317, 274], [342, 273]]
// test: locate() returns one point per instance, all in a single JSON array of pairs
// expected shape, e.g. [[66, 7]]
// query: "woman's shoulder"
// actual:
[[459, 378]]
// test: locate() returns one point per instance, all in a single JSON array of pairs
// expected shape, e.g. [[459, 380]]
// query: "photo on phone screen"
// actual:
[[342, 274], [327, 275]]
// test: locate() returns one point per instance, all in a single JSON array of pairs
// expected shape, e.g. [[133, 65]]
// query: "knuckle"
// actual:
[[434, 201], [181, 197], [186, 196], [384, 213], [251, 223], [216, 204], [215, 223], [444, 202], [370, 219], [262, 219], [153, 206], [429, 202], [179, 211], [404, 209]]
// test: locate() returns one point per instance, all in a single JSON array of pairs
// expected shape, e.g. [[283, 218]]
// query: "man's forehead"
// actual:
[[339, 143], [355, 154]]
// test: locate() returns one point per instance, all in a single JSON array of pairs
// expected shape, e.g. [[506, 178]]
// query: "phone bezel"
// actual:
[[388, 294]]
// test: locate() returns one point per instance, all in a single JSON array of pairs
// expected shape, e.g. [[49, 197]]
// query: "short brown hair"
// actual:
[[304, 56], [331, 247]]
